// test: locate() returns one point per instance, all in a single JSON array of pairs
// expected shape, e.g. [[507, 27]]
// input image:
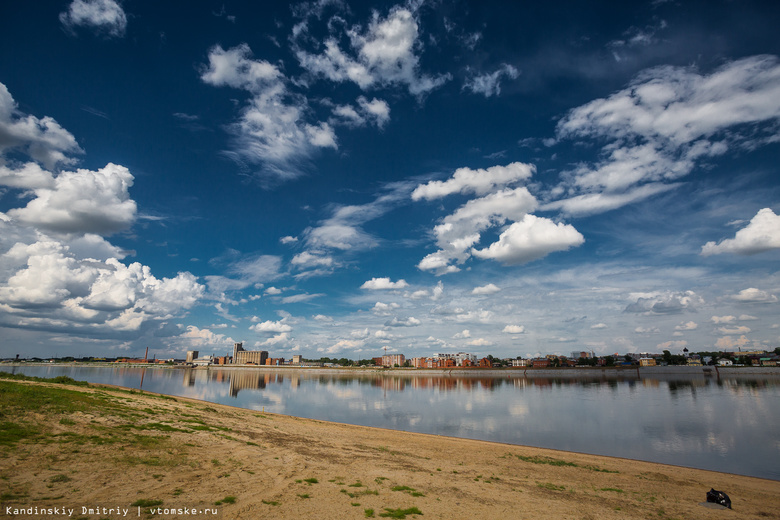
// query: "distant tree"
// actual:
[[556, 362], [667, 357], [777, 351], [610, 361]]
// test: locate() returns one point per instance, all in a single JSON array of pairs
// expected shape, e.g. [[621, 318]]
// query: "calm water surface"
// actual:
[[729, 424]]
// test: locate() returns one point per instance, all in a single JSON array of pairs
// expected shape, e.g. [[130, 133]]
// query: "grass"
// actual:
[[311, 481], [60, 478], [413, 492], [557, 462], [369, 513], [230, 499], [270, 502], [145, 502], [616, 490], [550, 486], [400, 513]]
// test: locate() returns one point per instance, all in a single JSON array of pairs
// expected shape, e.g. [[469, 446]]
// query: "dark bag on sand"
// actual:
[[719, 497]]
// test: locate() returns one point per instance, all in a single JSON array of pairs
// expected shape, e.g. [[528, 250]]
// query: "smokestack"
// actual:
[[146, 354]]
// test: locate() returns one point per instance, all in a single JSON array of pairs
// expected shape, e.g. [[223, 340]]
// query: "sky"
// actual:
[[344, 179]]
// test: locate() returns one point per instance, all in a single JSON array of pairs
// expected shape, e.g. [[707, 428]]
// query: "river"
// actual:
[[729, 422]]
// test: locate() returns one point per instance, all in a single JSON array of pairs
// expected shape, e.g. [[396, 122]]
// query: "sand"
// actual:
[[246, 464]]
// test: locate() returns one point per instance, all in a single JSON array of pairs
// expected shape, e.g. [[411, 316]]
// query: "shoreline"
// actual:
[[264, 465], [633, 372]]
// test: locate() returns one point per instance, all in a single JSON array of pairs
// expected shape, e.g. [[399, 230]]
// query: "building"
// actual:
[[203, 361], [646, 362], [392, 360], [297, 359], [246, 357], [192, 355], [580, 354]]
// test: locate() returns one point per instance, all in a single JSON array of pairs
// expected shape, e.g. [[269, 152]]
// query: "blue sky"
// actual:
[[330, 178]]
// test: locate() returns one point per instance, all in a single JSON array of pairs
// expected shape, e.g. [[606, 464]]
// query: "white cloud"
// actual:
[[479, 182], [271, 326], [479, 342], [104, 16], [341, 346], [308, 259], [486, 289], [198, 339], [514, 329], [303, 297], [723, 319], [729, 343], [44, 140], [83, 201], [687, 326], [530, 239], [667, 120], [672, 345], [272, 130], [647, 330], [761, 234], [407, 322], [383, 283], [383, 54], [665, 303], [599, 326], [753, 295], [462, 335], [288, 240], [384, 309], [273, 291], [322, 318], [747, 317], [490, 84]]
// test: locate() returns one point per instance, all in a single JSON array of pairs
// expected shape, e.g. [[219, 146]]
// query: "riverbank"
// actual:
[[97, 446], [619, 372]]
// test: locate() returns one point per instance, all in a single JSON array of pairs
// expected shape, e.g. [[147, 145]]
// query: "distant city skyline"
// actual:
[[343, 179]]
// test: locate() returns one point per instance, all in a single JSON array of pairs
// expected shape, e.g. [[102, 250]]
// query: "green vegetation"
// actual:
[[59, 478], [413, 492], [400, 513], [616, 490], [369, 513], [550, 486], [145, 502], [311, 481], [227, 500]]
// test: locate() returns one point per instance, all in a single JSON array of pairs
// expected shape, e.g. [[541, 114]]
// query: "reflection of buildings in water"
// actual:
[[189, 378], [246, 379]]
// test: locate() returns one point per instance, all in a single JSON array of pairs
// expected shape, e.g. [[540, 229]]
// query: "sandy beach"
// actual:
[[94, 449]]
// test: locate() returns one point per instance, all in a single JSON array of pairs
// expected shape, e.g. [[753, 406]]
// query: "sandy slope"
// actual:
[[189, 453]]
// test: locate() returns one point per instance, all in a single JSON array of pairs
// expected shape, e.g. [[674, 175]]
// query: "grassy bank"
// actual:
[[68, 444]]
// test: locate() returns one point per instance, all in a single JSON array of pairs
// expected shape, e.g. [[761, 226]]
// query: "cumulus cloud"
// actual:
[[753, 295], [341, 346], [385, 53], [730, 343], [527, 237], [383, 283], [462, 334], [490, 84], [43, 140], [687, 326], [665, 122], [530, 239], [194, 338], [405, 322], [83, 201], [479, 181], [384, 309], [480, 342], [271, 326], [56, 272], [761, 234], [599, 326], [666, 303], [672, 345], [103, 16], [272, 130], [514, 329], [723, 319], [486, 289]]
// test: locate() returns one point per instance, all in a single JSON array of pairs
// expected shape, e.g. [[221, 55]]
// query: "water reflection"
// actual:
[[719, 422]]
